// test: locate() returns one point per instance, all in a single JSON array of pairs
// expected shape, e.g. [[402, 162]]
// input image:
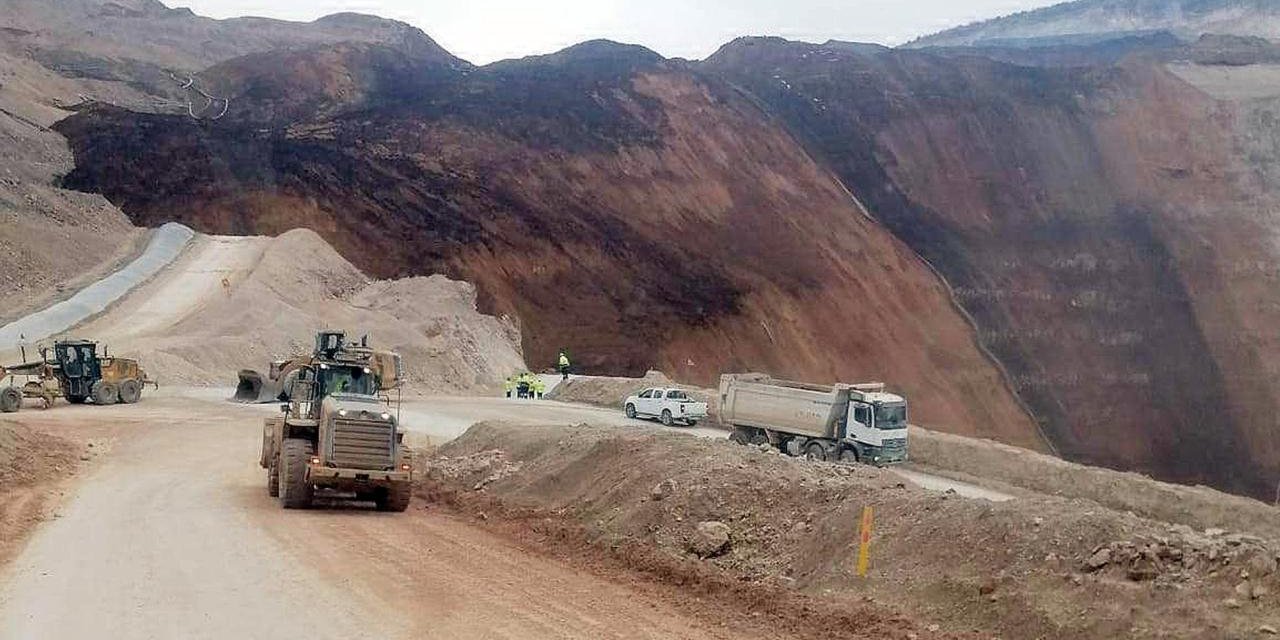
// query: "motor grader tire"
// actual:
[[104, 393], [395, 498], [295, 491], [10, 400], [130, 391], [273, 479]]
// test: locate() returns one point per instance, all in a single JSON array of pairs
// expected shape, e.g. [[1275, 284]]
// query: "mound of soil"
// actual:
[[296, 285], [603, 391], [1026, 568], [31, 463]]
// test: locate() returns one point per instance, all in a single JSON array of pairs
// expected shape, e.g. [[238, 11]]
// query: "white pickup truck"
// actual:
[[668, 405]]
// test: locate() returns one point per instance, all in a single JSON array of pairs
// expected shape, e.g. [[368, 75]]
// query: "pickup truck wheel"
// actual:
[[666, 418], [295, 491], [849, 456], [10, 400], [692, 422], [815, 451], [631, 411]]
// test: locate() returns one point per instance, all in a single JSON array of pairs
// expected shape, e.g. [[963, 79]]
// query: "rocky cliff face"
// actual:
[[1109, 227]]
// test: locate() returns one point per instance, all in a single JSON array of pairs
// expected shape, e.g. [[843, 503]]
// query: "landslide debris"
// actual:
[[1032, 567]]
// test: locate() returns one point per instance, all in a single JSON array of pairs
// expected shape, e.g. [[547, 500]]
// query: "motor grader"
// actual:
[[74, 370], [339, 431]]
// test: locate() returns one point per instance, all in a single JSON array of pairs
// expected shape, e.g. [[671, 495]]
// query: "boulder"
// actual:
[[710, 539]]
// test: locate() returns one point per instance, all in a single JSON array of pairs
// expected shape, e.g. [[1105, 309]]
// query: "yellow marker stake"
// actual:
[[864, 550]]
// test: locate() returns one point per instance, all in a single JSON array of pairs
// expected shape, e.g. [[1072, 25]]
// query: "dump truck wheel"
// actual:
[[395, 498], [815, 451], [666, 418], [104, 393], [10, 400], [631, 411], [130, 391], [295, 491], [273, 479]]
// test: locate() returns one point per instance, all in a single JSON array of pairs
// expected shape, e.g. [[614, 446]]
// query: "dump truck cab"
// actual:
[[338, 432], [876, 426]]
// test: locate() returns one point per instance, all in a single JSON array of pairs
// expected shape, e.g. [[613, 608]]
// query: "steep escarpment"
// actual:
[[618, 204], [1100, 223]]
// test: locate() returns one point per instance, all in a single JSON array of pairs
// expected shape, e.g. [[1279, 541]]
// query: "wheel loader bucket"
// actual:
[[254, 388]]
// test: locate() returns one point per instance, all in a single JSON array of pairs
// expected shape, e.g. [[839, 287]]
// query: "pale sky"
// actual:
[[482, 31]]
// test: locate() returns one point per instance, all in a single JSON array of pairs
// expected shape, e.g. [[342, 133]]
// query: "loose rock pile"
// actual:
[[1185, 555], [478, 469]]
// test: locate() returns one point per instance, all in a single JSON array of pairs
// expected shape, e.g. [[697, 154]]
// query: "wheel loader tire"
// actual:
[[666, 418], [273, 480], [395, 498], [10, 400], [130, 391], [295, 491], [104, 393]]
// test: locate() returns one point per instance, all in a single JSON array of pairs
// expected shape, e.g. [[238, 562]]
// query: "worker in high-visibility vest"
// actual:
[[539, 387], [509, 385], [564, 364]]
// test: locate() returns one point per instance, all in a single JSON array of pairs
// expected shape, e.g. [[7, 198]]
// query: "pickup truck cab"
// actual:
[[668, 405]]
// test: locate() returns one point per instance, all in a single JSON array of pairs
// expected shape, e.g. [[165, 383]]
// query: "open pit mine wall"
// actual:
[[1108, 228], [1101, 225], [619, 205]]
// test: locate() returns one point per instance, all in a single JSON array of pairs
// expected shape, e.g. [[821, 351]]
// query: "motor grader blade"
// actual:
[[255, 388]]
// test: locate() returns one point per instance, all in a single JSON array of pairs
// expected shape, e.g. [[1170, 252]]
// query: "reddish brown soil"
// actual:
[[33, 466], [1104, 225]]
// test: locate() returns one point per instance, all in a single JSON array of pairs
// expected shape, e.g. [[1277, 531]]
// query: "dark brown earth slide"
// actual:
[[1104, 225], [618, 204]]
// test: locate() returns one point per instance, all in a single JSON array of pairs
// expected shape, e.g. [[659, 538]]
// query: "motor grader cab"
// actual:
[[339, 430], [74, 369]]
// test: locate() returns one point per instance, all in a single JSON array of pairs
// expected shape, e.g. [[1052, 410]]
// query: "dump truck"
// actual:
[[339, 429], [841, 422], [73, 369]]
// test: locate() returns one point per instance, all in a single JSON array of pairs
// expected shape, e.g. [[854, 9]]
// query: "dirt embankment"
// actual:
[[31, 465], [984, 461], [1033, 567], [611, 392]]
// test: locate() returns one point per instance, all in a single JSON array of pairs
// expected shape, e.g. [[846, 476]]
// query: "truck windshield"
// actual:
[[348, 380], [891, 416]]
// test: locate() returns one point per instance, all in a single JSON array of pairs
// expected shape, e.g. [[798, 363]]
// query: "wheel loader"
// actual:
[[339, 429], [74, 370]]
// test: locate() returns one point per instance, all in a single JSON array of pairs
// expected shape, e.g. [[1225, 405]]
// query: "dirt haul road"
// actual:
[[172, 535]]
